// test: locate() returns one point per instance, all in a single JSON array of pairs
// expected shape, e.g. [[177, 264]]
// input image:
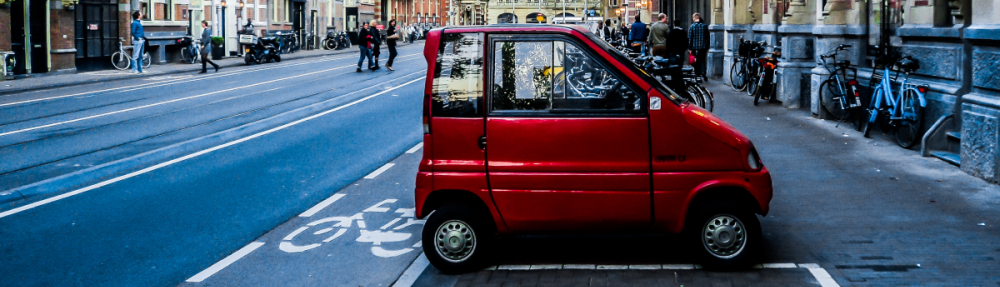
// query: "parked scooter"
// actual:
[[257, 50]]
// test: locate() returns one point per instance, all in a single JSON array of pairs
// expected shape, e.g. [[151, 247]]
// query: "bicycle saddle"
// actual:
[[908, 64]]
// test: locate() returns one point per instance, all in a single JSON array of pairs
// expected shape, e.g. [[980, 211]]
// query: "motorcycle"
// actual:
[[257, 50], [343, 40], [330, 42]]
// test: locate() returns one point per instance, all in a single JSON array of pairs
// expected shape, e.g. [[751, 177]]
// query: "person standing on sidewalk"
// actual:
[[376, 42], [364, 42], [638, 33], [658, 36], [698, 43], [206, 48], [391, 35], [138, 43]]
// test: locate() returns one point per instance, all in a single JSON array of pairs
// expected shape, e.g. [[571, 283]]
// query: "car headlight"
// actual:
[[753, 160]]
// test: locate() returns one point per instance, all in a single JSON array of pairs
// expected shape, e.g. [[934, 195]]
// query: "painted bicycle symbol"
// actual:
[[340, 225]]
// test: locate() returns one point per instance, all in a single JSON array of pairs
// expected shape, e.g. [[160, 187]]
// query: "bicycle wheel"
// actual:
[[146, 61], [709, 99], [737, 75], [120, 61], [833, 100], [695, 95], [753, 76], [908, 128], [872, 113]]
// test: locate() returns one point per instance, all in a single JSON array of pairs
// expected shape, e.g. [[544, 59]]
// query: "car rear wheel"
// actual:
[[457, 239], [728, 236]]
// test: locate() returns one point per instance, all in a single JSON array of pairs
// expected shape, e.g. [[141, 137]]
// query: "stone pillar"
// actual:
[[797, 54], [980, 109], [716, 51]]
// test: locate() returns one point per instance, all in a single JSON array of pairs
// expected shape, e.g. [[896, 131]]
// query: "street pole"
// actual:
[[564, 12], [451, 12]]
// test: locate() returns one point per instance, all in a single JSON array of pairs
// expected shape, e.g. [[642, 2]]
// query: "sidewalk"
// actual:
[[33, 83]]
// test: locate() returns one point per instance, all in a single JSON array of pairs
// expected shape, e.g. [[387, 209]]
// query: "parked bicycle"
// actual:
[[902, 109], [742, 71], [766, 83], [122, 59], [190, 50], [839, 94], [675, 76]]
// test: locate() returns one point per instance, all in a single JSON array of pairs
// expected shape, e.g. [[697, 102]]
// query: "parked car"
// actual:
[[545, 129]]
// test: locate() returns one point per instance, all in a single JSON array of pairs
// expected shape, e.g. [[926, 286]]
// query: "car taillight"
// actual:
[[427, 114], [922, 89]]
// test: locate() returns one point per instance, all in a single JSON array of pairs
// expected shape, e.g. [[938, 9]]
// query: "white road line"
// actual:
[[821, 275], [193, 155], [379, 171], [415, 148], [161, 103], [180, 81], [777, 265], [413, 272], [218, 266], [678, 266], [321, 205], [514, 267]]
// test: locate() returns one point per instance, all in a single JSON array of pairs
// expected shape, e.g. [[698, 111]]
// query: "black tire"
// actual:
[[832, 100], [146, 60], [737, 75], [187, 56], [908, 130], [753, 79], [858, 118], [277, 58], [709, 99], [695, 95], [756, 98], [472, 230], [249, 59], [726, 235], [868, 120]]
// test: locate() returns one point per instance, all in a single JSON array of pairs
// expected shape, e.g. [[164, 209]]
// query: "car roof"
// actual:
[[500, 28]]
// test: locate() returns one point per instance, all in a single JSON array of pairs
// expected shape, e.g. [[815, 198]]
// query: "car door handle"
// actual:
[[482, 142]]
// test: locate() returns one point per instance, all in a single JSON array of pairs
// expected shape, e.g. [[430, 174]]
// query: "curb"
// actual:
[[133, 76], [88, 175]]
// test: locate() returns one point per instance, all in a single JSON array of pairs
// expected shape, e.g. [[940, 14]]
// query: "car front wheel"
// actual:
[[457, 239], [728, 236]]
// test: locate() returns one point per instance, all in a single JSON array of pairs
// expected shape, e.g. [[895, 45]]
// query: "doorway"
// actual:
[[28, 36], [96, 35]]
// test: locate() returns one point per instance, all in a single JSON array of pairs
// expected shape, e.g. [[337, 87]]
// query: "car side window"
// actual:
[[555, 77], [457, 90]]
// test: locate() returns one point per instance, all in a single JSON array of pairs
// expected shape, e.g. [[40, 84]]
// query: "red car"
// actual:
[[541, 129]]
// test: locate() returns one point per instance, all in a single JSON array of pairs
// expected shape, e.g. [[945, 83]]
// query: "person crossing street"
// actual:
[[391, 35], [364, 44], [376, 41], [206, 48]]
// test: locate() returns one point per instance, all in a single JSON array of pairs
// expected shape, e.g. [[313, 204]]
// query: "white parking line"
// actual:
[[415, 148], [218, 266], [322, 204], [821, 275], [413, 272], [196, 154], [379, 171]]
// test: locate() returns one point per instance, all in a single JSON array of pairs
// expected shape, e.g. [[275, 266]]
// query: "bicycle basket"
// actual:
[[184, 42], [744, 48]]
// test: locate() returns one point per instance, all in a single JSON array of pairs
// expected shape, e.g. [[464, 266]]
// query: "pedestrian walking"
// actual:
[[364, 43], [638, 34], [376, 42], [138, 43], [698, 44], [391, 35], [608, 30], [206, 48], [658, 36], [677, 42]]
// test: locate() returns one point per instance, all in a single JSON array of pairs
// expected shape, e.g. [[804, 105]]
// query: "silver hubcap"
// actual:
[[724, 236], [455, 241]]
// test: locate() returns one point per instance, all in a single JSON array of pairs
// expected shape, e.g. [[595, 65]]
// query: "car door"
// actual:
[[567, 141]]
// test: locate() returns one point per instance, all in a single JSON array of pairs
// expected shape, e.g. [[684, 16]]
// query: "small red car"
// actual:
[[542, 129]]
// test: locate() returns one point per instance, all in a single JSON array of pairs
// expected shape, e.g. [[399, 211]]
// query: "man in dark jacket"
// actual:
[[638, 34], [677, 41], [698, 43], [376, 41], [364, 39]]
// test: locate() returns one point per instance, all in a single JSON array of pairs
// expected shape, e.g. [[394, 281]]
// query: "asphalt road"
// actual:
[[323, 200], [160, 227]]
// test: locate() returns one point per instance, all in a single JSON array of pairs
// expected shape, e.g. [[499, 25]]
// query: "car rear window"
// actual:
[[458, 85]]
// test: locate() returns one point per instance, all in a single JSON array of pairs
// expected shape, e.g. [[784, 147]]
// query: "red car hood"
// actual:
[[714, 126]]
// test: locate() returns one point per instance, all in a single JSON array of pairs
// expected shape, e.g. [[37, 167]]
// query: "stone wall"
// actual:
[[5, 29]]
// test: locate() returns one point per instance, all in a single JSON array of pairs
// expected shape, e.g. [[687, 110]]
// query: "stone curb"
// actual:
[[121, 166], [179, 71]]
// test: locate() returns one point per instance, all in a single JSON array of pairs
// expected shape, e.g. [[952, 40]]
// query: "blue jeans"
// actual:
[[365, 53], [137, 47]]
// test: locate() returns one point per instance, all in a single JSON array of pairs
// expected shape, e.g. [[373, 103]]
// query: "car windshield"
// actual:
[[618, 56]]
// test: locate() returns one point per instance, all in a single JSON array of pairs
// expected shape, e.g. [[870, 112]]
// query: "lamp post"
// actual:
[[223, 26]]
